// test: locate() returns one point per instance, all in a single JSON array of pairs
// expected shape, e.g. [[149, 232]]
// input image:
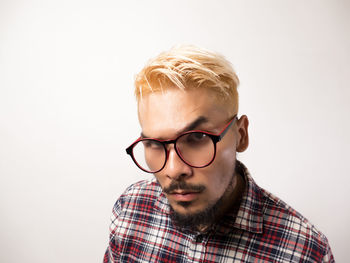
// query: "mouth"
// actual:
[[184, 195]]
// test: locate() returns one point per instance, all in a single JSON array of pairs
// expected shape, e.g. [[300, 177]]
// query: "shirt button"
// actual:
[[199, 238]]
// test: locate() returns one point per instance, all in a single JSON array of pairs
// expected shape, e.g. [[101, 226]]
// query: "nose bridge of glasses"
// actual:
[[175, 164], [167, 144], [171, 146]]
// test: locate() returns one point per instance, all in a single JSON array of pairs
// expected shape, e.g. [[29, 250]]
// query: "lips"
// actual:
[[183, 195], [182, 192]]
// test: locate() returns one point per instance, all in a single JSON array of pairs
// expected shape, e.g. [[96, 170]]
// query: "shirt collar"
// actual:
[[249, 216], [162, 205]]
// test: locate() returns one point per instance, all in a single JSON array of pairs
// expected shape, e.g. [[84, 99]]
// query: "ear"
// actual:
[[242, 132]]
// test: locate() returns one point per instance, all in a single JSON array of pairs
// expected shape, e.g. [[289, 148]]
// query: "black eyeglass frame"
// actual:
[[214, 137]]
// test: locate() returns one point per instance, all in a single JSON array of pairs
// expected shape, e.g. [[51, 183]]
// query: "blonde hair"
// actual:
[[189, 67]]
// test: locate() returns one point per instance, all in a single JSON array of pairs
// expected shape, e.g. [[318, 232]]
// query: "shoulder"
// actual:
[[143, 187], [293, 227], [142, 192], [276, 209], [277, 225]]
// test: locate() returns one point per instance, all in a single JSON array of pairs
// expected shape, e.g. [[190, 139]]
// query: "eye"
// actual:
[[151, 144], [196, 137]]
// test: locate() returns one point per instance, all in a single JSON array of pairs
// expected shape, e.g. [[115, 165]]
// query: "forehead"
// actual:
[[164, 114]]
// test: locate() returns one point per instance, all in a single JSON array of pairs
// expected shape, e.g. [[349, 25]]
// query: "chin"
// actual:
[[187, 208], [187, 217]]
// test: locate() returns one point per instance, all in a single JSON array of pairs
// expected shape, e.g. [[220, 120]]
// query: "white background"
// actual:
[[67, 110]]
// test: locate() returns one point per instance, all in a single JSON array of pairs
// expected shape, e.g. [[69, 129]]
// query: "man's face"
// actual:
[[166, 115]]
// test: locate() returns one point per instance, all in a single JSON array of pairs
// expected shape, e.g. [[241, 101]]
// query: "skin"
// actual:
[[164, 115]]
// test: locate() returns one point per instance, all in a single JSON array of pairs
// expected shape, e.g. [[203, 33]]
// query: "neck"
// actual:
[[231, 200]]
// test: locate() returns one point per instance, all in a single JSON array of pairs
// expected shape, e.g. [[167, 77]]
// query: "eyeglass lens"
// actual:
[[196, 149]]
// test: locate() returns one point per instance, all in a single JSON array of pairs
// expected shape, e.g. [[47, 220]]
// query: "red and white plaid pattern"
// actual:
[[265, 229]]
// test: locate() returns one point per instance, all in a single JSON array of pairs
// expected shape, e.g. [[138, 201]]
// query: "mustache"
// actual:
[[183, 186]]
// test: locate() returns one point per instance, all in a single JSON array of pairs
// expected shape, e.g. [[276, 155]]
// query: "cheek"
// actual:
[[219, 175], [160, 179], [225, 159], [221, 170]]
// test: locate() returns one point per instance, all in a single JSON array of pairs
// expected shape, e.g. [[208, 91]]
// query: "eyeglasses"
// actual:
[[195, 148]]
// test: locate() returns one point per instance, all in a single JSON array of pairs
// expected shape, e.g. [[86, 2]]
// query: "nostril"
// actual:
[[177, 176]]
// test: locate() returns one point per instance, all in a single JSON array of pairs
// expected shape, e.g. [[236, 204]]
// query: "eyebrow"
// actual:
[[193, 125]]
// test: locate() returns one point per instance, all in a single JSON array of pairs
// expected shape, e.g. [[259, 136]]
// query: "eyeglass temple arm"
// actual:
[[225, 130]]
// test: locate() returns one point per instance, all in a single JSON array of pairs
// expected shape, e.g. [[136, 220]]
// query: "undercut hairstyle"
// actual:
[[189, 67]]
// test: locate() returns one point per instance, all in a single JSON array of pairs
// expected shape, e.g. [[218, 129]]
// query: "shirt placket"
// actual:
[[197, 248]]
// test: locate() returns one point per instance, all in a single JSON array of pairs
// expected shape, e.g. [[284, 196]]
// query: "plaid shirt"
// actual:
[[265, 229]]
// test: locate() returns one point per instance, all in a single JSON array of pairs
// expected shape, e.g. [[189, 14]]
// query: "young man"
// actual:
[[202, 205]]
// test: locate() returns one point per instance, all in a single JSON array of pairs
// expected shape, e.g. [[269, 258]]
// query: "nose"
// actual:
[[175, 168]]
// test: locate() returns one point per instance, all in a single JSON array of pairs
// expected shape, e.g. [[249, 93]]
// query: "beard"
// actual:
[[194, 221], [201, 219]]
